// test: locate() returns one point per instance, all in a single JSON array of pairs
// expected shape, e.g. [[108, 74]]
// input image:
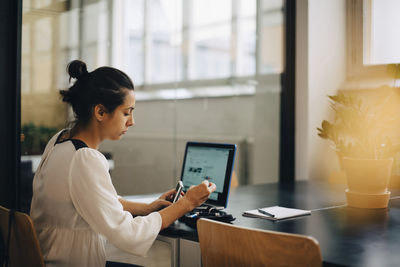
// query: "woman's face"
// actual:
[[116, 124]]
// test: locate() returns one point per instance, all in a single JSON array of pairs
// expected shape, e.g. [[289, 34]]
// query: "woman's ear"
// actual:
[[99, 112]]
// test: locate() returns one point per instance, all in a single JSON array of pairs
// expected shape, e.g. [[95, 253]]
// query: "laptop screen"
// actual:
[[209, 161]]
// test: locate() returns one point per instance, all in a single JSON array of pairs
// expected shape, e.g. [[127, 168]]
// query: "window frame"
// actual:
[[356, 70], [232, 79]]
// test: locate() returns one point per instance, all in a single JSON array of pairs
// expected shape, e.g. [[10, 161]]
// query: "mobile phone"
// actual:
[[179, 188]]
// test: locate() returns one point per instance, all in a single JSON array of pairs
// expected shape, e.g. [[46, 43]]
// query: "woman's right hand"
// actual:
[[198, 194], [194, 197]]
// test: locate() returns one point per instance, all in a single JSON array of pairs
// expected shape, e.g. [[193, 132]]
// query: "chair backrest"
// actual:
[[225, 244], [24, 249]]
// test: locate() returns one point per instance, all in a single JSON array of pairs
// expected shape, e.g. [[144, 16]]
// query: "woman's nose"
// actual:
[[131, 121]]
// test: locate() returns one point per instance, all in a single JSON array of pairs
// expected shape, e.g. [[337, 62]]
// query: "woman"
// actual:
[[75, 207]]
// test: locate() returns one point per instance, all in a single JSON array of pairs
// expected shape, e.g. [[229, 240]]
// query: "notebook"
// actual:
[[276, 213], [209, 161]]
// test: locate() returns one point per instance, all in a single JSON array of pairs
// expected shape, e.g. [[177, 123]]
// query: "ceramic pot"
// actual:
[[367, 181], [369, 176]]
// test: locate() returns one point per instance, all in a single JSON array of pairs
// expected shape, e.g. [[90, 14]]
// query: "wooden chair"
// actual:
[[224, 244], [24, 249]]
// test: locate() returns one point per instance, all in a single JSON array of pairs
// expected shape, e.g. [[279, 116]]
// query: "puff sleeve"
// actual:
[[96, 200]]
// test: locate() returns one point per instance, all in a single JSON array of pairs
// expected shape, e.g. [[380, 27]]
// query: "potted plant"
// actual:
[[360, 136], [35, 138]]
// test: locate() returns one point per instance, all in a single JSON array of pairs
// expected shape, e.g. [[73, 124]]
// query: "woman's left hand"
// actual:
[[164, 200], [169, 195]]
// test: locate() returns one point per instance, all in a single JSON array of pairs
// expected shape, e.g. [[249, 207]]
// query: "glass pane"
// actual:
[[271, 59], [132, 57], [95, 39], [162, 42], [146, 44], [246, 47], [211, 32], [211, 53], [218, 120], [165, 24], [209, 12], [51, 33], [381, 39]]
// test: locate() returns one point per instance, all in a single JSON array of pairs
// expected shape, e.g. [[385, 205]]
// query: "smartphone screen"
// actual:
[[178, 189]]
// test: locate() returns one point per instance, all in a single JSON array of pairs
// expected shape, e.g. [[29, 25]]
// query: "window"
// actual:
[[165, 40], [175, 43], [271, 31], [356, 70], [132, 44], [209, 56], [381, 40], [246, 38]]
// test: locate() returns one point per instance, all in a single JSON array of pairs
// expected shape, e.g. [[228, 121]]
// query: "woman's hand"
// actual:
[[169, 195], [194, 197], [198, 194], [163, 201]]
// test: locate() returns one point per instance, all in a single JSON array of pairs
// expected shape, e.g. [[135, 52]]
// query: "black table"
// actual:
[[347, 236]]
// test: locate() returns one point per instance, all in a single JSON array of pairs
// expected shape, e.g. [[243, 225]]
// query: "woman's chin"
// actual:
[[115, 138]]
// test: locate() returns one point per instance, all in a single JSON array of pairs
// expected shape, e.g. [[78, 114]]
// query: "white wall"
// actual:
[[320, 71]]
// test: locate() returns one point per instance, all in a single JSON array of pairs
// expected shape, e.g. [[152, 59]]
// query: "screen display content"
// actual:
[[205, 163], [212, 162]]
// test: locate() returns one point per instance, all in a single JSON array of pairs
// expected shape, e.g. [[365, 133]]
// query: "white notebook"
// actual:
[[275, 213]]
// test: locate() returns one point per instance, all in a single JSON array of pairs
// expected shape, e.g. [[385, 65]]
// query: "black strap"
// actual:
[[10, 223], [76, 142]]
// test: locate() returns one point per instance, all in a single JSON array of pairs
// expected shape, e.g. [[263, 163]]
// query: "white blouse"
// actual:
[[75, 208]]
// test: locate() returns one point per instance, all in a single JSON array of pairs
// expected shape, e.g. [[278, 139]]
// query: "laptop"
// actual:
[[213, 162]]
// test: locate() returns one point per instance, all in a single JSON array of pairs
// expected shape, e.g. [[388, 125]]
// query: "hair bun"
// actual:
[[76, 69]]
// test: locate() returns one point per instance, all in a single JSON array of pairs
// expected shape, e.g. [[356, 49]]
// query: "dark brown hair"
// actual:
[[105, 85]]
